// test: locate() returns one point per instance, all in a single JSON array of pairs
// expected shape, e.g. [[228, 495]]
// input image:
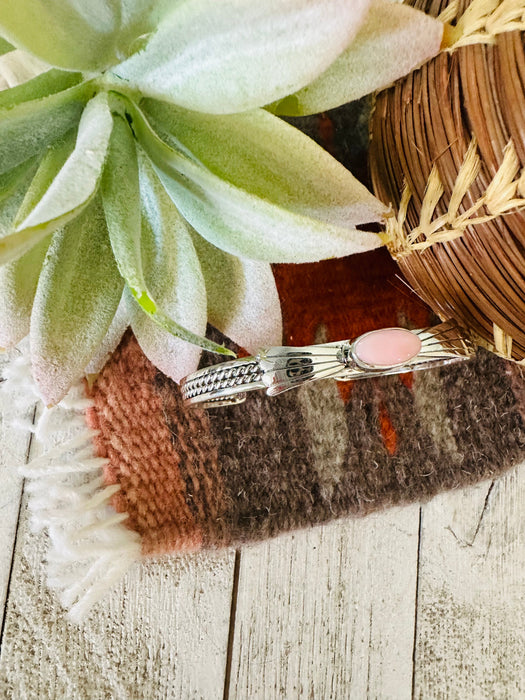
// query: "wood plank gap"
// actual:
[[231, 631], [26, 460], [483, 511], [416, 602], [369, 653]]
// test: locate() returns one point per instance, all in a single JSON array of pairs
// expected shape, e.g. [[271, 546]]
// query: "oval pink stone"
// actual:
[[387, 347]]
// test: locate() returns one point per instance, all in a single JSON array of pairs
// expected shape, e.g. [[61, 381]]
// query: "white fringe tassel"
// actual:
[[90, 549]]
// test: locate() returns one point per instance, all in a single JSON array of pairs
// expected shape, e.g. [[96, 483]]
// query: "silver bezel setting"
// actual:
[[381, 368]]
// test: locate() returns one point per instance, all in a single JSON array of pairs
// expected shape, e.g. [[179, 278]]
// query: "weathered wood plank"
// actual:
[[329, 613], [162, 632], [14, 445], [471, 600]]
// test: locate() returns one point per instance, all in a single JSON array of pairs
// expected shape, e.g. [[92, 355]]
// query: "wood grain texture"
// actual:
[[14, 447], [471, 594], [162, 633], [329, 613]]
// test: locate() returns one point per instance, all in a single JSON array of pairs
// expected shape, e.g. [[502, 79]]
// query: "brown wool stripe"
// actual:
[[197, 459]]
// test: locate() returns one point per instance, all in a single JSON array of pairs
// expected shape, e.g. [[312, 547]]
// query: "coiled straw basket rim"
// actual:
[[448, 152]]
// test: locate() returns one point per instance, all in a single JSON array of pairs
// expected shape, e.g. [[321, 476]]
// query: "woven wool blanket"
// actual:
[[165, 478], [192, 477]]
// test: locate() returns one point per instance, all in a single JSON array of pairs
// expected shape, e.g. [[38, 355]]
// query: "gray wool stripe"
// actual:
[[323, 413], [431, 408]]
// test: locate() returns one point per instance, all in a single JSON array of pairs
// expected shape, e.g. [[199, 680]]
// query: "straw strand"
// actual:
[[503, 194], [482, 22]]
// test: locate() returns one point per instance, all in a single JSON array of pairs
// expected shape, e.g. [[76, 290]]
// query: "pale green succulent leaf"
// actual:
[[247, 226], [111, 340], [30, 126], [393, 40], [121, 198], [239, 222], [13, 188], [75, 35], [16, 180], [270, 159], [78, 293], [5, 46], [172, 269], [243, 302], [52, 162], [14, 244], [173, 275], [175, 330], [48, 83], [234, 55], [18, 283], [18, 67], [77, 181]]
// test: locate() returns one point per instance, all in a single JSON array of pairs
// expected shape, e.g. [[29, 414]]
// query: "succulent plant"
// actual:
[[146, 178]]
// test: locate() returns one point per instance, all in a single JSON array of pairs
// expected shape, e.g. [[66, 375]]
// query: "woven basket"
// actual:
[[447, 151]]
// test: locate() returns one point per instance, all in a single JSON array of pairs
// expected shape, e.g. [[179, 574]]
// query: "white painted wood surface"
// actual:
[[424, 603], [14, 446], [330, 612], [471, 605]]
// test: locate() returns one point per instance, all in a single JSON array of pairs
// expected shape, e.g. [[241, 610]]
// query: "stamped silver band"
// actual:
[[278, 369]]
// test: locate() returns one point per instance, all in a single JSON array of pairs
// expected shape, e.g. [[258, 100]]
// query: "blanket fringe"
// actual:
[[90, 548]]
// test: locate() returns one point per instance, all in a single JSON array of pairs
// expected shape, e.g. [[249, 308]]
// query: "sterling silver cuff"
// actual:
[[374, 354]]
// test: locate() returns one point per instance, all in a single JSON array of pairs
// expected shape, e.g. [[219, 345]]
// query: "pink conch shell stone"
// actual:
[[387, 347]]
